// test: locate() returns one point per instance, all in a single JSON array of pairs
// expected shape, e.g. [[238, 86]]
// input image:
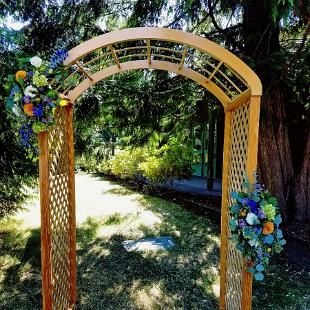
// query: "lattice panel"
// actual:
[[237, 167], [59, 211]]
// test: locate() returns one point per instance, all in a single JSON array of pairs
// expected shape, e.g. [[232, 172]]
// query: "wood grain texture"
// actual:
[[251, 167], [72, 211], [224, 209], [45, 221], [170, 35]]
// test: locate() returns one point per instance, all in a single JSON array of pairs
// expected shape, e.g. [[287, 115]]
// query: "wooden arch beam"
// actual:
[[171, 35], [155, 64]]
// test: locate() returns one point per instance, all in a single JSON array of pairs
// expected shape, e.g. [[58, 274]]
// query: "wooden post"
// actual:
[[71, 196], [224, 210], [251, 167], [45, 221]]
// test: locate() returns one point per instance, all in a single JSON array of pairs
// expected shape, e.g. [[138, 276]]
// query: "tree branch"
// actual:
[[222, 31]]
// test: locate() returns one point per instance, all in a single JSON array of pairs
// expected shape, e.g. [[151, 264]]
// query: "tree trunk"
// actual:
[[302, 188], [275, 167], [274, 155]]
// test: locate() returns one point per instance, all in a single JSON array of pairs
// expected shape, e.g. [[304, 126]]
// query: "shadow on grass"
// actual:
[[181, 278], [119, 191], [111, 278]]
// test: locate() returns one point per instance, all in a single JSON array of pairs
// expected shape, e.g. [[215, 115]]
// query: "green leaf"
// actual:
[[273, 201], [234, 209], [39, 127], [52, 94], [24, 60], [233, 225], [256, 198], [11, 77], [58, 77], [9, 104]]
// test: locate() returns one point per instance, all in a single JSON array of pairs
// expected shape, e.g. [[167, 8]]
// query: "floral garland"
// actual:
[[255, 220], [33, 98]]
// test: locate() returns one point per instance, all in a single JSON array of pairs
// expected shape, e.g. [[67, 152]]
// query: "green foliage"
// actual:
[[89, 163], [12, 194], [167, 164], [126, 164]]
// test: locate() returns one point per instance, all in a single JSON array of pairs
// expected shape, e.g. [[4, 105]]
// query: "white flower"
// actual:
[[251, 218], [36, 61], [30, 91], [16, 110]]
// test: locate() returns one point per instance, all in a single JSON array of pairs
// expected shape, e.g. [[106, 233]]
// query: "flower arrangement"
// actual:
[[32, 95], [255, 220]]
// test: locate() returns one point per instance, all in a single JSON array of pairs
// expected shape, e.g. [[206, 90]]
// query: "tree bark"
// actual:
[[302, 188], [275, 166]]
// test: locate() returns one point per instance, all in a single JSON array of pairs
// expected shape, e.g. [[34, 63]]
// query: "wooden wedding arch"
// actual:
[[208, 64]]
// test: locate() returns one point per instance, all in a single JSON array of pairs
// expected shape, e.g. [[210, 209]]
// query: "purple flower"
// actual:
[[27, 99], [30, 73], [261, 214], [241, 223], [245, 201]]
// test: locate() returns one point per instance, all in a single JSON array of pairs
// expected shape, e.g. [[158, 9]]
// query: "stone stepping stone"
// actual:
[[148, 244]]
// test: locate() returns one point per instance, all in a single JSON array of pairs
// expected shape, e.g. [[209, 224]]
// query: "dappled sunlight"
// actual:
[[183, 277], [149, 297]]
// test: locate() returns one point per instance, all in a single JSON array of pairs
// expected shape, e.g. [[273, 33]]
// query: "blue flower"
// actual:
[[253, 205], [58, 58], [25, 132], [38, 111], [268, 239], [257, 230]]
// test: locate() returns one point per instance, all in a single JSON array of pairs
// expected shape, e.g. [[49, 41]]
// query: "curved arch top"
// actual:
[[224, 74]]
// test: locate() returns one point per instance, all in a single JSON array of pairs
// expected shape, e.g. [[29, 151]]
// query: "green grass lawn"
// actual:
[[185, 277]]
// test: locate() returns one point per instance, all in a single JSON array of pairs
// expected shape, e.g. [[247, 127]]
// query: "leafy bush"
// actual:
[[90, 163], [167, 164], [126, 165], [12, 194]]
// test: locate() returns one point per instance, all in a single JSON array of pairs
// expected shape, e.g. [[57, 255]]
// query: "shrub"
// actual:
[[169, 163], [126, 165], [13, 194], [90, 163]]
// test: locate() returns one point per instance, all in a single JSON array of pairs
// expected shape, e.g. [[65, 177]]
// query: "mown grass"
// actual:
[[111, 278]]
